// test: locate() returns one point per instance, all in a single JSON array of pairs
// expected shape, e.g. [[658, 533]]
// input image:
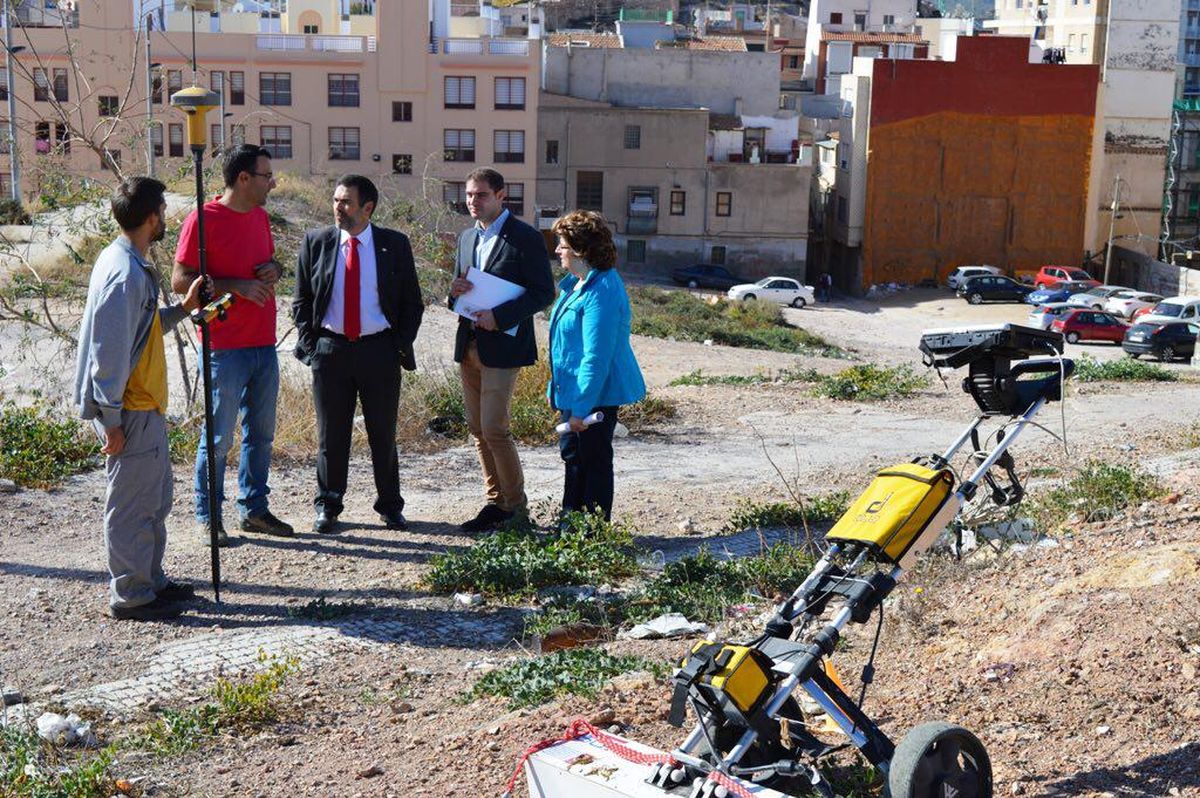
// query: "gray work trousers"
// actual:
[[139, 497]]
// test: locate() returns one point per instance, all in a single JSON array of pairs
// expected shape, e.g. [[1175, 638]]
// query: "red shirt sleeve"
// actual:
[[187, 251]]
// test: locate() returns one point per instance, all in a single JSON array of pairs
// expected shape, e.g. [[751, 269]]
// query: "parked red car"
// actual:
[[1137, 314], [1051, 276], [1090, 325]]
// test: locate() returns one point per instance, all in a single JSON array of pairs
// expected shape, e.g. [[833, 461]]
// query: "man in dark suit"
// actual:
[[489, 357], [357, 310]]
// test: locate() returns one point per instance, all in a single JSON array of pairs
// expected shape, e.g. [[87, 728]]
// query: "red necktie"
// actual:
[[351, 323]]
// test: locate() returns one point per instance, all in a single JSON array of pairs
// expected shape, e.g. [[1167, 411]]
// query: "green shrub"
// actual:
[[575, 671], [754, 515], [39, 447], [12, 212], [783, 376], [518, 561], [321, 610], [704, 586], [869, 382], [1089, 369], [33, 768], [183, 438], [751, 325], [1099, 491]]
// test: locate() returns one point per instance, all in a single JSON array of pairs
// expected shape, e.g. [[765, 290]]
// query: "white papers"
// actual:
[[487, 292]]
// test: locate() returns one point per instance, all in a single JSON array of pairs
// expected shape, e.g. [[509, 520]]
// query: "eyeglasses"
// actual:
[[267, 175]]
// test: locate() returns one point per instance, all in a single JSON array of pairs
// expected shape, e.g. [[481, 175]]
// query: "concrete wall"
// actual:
[[981, 160], [724, 82], [1138, 270]]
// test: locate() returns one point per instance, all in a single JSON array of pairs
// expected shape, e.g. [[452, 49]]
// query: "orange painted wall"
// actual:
[[980, 160]]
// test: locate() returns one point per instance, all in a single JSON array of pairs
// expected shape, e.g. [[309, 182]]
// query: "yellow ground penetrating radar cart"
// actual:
[[750, 736]]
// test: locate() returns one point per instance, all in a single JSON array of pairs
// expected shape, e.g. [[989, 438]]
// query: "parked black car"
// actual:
[[993, 288], [704, 275], [1163, 340]]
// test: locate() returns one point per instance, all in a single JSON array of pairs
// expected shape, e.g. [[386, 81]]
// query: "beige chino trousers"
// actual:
[[487, 393]]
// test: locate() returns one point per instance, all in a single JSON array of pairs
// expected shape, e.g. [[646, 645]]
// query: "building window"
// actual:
[[724, 203], [835, 18], [793, 62], [678, 203], [41, 86], [716, 255], [3, 84], [174, 81], [889, 19], [110, 157], [60, 85], [401, 111], [402, 164], [344, 144], [343, 91], [156, 87], [635, 251], [237, 88], [460, 92], [843, 210], [455, 196], [633, 137], [110, 105], [589, 191], [216, 82], [312, 29], [1083, 42], [860, 21], [275, 88], [62, 138], [510, 94], [459, 145], [514, 198], [156, 139], [41, 138], [175, 140], [509, 146], [237, 135], [215, 135], [551, 151], [277, 139]]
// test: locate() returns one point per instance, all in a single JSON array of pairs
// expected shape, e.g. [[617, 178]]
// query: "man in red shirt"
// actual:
[[245, 369]]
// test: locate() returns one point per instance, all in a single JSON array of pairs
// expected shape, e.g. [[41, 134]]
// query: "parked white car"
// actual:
[[1043, 316], [1176, 308], [1125, 303], [1095, 298], [964, 273], [782, 290]]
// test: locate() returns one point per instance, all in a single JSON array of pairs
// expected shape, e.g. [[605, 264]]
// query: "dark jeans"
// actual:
[[368, 370], [588, 457]]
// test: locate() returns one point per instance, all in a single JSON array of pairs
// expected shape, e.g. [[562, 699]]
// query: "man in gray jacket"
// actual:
[[121, 387]]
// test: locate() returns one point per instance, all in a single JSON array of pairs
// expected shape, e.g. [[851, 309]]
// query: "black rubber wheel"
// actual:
[[1072, 337], [1164, 353], [798, 302], [748, 297], [936, 760], [975, 299], [693, 284]]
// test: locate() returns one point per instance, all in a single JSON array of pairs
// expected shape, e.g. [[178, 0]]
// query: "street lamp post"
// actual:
[[14, 165], [150, 67], [1112, 223]]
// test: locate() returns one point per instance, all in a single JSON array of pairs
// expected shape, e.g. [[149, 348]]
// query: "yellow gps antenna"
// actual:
[[196, 102]]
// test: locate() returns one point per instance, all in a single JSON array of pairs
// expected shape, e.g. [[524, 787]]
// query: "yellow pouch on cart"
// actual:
[[895, 509]]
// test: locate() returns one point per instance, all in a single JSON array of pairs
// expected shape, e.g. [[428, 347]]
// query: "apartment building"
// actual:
[[684, 151], [874, 25], [1136, 44], [1181, 223], [330, 86]]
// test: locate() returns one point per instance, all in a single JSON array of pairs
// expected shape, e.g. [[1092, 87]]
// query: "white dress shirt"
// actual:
[[371, 315], [488, 237]]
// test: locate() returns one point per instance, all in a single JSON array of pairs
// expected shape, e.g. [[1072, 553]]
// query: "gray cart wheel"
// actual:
[[938, 760]]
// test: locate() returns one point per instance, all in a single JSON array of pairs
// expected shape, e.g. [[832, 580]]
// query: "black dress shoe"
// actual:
[[176, 591], [325, 524], [394, 520], [489, 517]]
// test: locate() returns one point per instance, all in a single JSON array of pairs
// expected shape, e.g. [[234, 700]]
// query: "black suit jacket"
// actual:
[[519, 256], [396, 274]]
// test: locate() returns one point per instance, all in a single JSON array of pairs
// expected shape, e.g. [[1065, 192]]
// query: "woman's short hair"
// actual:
[[588, 236]]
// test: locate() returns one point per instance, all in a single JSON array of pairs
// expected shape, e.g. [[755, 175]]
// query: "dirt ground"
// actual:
[[1076, 664]]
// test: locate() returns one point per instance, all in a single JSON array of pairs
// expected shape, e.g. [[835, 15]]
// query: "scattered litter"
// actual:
[[12, 696], [1102, 731], [7, 486], [468, 599], [70, 730], [708, 342], [671, 624], [687, 526], [569, 636], [620, 431]]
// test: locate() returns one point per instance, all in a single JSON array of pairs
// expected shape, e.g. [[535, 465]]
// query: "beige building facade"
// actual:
[[379, 88]]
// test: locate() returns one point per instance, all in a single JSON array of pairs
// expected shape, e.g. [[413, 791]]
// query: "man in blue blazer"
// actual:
[[491, 349]]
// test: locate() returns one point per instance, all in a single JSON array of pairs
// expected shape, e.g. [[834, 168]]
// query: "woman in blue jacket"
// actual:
[[592, 367]]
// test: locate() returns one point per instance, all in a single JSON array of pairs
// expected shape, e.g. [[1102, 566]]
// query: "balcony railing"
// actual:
[[281, 41], [1191, 59], [517, 47], [33, 17], [295, 42]]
